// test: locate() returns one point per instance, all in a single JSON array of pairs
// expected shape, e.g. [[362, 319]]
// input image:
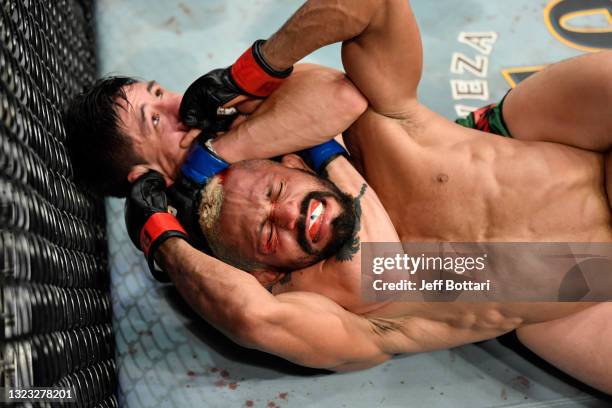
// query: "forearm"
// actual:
[[218, 292], [316, 24], [383, 68], [381, 47], [312, 106]]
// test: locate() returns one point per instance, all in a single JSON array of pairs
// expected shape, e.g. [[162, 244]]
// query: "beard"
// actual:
[[342, 227]]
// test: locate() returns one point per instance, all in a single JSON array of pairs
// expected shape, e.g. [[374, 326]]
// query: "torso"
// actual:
[[459, 184], [483, 188], [450, 183]]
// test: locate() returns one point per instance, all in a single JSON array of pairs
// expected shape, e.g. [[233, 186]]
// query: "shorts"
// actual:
[[489, 119]]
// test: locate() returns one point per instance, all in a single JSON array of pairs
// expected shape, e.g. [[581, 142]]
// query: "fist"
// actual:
[[200, 107], [147, 219], [203, 105]]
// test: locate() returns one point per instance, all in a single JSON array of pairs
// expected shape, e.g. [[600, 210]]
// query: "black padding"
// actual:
[[55, 320]]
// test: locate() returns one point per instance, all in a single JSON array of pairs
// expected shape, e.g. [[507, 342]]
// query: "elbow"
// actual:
[[607, 82], [351, 99], [596, 70]]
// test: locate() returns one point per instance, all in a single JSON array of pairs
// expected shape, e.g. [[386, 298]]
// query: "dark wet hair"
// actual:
[[102, 153]]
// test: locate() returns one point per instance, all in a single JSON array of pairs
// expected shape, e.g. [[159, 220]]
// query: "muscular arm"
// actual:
[[312, 106], [567, 103], [381, 53], [381, 46], [305, 328]]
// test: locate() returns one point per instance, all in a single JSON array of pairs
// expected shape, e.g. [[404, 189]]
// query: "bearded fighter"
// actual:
[[436, 180]]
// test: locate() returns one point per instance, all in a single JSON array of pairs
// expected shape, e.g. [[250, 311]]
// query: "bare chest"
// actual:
[[472, 186]]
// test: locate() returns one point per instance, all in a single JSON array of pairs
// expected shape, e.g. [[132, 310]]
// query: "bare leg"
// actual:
[[579, 344], [568, 103]]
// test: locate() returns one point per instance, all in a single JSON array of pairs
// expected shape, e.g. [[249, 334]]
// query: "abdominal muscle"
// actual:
[[466, 186]]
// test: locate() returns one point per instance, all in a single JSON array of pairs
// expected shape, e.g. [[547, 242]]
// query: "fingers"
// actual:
[[243, 104], [249, 105], [150, 175], [236, 100], [152, 180], [188, 138]]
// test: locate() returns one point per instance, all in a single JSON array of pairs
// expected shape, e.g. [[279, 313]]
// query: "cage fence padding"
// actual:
[[56, 311]]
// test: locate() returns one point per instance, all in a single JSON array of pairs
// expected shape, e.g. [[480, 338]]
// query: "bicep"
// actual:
[[313, 105], [385, 61], [311, 330], [316, 103]]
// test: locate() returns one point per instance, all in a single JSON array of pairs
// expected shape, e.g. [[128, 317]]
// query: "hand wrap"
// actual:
[[319, 156], [185, 194]]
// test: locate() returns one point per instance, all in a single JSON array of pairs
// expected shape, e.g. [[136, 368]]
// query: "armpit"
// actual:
[[383, 326]]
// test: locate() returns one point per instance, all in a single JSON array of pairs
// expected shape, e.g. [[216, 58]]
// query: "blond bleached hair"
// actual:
[[209, 215]]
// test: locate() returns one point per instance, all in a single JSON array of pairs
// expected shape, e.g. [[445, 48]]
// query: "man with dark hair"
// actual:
[[121, 128], [101, 151]]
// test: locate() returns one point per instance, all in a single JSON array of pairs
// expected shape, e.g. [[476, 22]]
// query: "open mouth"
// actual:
[[316, 209]]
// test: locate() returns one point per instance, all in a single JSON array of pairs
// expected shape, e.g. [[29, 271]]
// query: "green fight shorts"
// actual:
[[489, 119]]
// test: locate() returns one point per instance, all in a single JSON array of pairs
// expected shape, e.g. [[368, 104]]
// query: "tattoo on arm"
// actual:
[[351, 247]]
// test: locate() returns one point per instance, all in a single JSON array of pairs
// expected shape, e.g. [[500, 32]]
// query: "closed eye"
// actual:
[[281, 189], [270, 234]]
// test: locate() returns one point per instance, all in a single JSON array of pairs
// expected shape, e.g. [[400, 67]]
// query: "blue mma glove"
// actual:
[[319, 156], [202, 163], [184, 195]]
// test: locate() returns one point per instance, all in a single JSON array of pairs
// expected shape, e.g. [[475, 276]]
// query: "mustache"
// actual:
[[342, 226]]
